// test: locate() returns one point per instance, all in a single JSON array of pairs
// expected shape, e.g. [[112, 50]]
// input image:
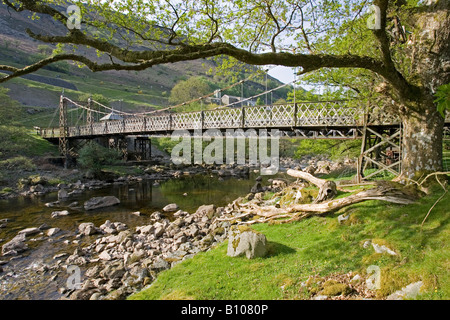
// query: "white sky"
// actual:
[[284, 74]]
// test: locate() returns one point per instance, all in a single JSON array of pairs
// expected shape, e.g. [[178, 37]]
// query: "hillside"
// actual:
[[127, 90]]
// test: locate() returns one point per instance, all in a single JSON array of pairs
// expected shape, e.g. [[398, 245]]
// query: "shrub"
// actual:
[[17, 163], [93, 156]]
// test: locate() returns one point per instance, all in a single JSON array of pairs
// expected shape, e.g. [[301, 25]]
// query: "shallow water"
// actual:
[[23, 281]]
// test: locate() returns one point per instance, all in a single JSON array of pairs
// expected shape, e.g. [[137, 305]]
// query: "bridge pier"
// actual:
[[381, 150], [120, 143], [142, 148]]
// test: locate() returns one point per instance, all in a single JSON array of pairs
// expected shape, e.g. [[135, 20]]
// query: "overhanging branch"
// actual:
[[142, 59]]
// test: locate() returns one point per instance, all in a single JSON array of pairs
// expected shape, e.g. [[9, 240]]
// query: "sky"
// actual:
[[284, 74]]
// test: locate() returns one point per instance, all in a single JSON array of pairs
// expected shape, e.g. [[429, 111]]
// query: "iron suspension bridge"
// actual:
[[380, 132]]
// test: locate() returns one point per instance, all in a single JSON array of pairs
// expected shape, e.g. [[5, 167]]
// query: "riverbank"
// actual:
[[35, 272], [179, 235], [339, 256], [48, 178]]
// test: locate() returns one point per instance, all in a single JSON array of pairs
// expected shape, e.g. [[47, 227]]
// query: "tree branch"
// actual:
[[395, 78], [142, 59]]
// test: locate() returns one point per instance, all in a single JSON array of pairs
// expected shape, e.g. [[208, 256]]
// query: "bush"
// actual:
[[335, 149], [17, 163], [93, 156]]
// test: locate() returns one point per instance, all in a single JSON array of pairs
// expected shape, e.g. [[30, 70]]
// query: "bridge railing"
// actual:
[[303, 114]]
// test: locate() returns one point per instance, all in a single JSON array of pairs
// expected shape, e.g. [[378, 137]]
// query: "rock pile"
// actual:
[[121, 261]]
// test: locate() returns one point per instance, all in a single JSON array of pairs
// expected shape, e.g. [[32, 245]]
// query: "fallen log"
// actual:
[[385, 191], [327, 189]]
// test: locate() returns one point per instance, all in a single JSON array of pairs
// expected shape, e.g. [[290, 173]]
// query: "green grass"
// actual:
[[128, 93], [321, 246]]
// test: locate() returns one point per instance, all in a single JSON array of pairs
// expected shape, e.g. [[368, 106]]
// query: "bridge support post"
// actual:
[[142, 147], [380, 150], [89, 119], [63, 130], [119, 143]]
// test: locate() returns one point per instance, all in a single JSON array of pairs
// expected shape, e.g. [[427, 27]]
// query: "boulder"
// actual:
[[257, 188], [113, 227], [206, 210], [108, 227], [62, 194], [408, 292], [53, 231], [105, 256], [101, 202], [382, 249], [246, 241], [52, 204], [310, 169], [56, 214], [172, 207], [37, 188], [159, 229], [342, 218], [160, 264], [278, 183], [87, 228], [119, 226], [146, 229], [29, 231], [15, 245]]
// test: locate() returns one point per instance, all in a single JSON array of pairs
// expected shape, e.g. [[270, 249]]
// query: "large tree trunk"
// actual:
[[422, 142], [428, 50]]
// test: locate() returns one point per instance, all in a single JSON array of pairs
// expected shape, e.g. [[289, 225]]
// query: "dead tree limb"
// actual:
[[384, 192], [327, 189], [392, 195]]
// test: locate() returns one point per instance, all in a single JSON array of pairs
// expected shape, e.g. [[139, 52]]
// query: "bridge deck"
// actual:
[[313, 115]]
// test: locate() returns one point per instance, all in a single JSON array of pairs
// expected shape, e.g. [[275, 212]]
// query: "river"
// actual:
[[20, 279]]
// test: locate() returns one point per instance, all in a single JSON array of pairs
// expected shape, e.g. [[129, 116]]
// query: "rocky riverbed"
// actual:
[[114, 259]]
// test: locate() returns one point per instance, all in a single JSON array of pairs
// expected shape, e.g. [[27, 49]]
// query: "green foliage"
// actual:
[[164, 144], [17, 163], [84, 97], [15, 140], [94, 157], [10, 110], [186, 90], [443, 98], [301, 94], [335, 149]]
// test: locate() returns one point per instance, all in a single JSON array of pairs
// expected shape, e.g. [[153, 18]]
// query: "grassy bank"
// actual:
[[319, 247]]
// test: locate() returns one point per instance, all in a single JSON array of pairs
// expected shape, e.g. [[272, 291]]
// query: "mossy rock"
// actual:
[[37, 179], [243, 240], [393, 280], [219, 230], [290, 195], [334, 288], [23, 183]]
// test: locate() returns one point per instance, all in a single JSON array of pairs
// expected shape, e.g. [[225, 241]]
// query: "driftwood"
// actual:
[[384, 190], [327, 189], [381, 192]]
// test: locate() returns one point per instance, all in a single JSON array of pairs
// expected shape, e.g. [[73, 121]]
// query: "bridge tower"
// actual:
[[63, 129]]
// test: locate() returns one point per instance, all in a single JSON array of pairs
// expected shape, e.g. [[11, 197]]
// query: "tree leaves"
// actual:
[[443, 98]]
